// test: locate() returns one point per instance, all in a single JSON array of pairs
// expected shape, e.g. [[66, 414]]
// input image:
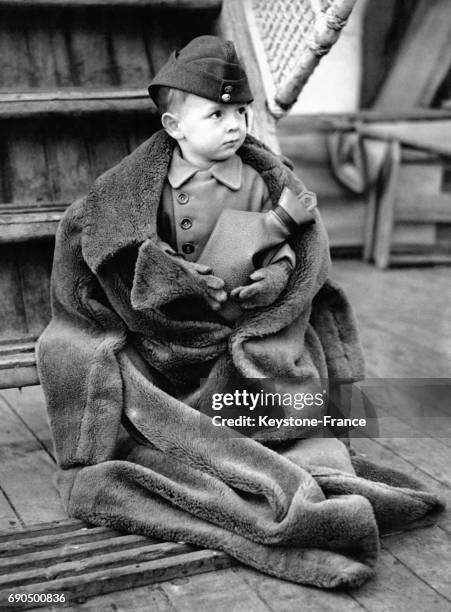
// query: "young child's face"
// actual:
[[209, 131]]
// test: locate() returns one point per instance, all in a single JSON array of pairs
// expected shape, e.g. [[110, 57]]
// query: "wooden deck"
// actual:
[[405, 320]]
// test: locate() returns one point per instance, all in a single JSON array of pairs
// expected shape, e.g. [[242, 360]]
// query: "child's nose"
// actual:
[[232, 123]]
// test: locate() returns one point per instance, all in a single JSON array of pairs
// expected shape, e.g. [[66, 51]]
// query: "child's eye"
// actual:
[[242, 110], [217, 114]]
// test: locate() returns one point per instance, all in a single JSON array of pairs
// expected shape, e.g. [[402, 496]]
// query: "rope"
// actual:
[[317, 48], [334, 22]]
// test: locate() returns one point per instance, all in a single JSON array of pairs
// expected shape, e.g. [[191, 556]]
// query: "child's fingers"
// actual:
[[250, 291], [215, 302], [214, 282], [217, 295], [201, 268], [258, 275], [235, 292]]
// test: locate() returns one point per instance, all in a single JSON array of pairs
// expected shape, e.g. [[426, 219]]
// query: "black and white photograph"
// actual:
[[225, 305]]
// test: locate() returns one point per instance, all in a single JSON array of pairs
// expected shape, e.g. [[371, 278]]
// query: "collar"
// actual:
[[227, 172]]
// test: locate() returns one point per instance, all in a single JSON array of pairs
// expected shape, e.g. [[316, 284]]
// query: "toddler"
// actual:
[[203, 95]]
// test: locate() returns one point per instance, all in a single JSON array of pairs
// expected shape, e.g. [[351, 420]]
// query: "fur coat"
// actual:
[[132, 341]]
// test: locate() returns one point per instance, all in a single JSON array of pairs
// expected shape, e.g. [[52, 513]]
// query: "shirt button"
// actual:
[[188, 248], [186, 223], [182, 198]]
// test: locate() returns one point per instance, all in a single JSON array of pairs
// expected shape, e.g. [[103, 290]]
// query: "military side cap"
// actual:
[[207, 67]]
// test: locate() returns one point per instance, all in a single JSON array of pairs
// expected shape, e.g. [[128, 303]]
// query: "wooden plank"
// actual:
[[69, 553], [397, 341], [27, 216], [22, 359], [33, 542], [415, 259], [106, 148], [61, 59], [30, 477], [67, 159], [41, 108], [29, 179], [13, 320], [137, 599], [129, 49], [160, 41], [27, 472], [106, 558], [29, 405], [24, 227], [396, 588], [18, 376], [147, 572], [423, 551], [416, 74], [389, 305], [73, 94], [348, 122], [385, 209], [433, 136], [427, 553], [285, 596], [8, 518], [369, 229], [43, 529], [4, 179], [413, 235], [35, 269], [390, 354], [222, 591], [92, 65], [423, 208], [39, 43], [155, 4], [14, 63], [409, 447], [16, 208]]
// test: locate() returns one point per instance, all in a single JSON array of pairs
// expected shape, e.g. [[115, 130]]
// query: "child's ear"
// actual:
[[171, 124]]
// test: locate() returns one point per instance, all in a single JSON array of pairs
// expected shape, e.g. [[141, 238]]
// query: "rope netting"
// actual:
[[293, 36], [284, 28]]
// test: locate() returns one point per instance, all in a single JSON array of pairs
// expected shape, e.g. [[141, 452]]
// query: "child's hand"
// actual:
[[268, 284], [213, 285]]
